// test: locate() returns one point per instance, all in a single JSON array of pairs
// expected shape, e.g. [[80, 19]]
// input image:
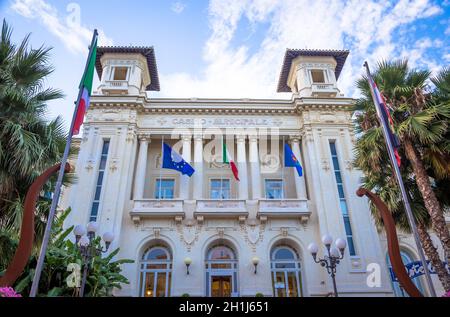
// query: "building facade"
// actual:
[[220, 226]]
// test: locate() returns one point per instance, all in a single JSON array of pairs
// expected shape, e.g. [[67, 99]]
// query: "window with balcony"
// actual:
[[164, 188], [119, 73], [274, 189], [220, 189], [318, 76]]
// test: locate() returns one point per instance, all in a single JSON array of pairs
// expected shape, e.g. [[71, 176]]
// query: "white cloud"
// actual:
[[74, 36], [366, 28], [178, 7]]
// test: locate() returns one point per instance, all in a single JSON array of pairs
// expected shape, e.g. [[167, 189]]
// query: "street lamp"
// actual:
[[330, 261], [85, 244]]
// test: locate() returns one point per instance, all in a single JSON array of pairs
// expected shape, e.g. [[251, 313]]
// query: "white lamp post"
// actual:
[[85, 244], [335, 253]]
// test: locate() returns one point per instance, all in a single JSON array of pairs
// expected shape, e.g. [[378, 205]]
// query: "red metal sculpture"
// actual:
[[23, 252], [392, 241]]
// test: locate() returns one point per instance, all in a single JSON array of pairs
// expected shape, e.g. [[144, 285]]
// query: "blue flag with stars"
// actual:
[[174, 161], [291, 161]]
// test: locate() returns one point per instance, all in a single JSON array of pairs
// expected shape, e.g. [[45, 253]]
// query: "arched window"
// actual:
[[398, 289], [156, 272], [286, 272], [221, 271]]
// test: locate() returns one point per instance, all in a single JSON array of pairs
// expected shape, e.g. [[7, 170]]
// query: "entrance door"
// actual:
[[286, 284], [221, 286]]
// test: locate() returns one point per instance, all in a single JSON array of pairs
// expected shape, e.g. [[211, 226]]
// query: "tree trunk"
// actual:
[[433, 256], [431, 203]]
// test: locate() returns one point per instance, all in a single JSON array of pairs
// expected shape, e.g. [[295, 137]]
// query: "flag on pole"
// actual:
[[86, 88], [227, 159], [77, 119], [291, 161], [384, 115], [173, 160]]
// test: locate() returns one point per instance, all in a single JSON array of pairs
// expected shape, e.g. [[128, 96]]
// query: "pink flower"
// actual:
[[446, 294], [8, 292]]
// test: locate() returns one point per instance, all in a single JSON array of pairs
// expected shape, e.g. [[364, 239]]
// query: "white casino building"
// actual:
[[161, 218]]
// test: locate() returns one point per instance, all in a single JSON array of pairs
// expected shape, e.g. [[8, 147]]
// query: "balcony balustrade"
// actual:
[[157, 208], [284, 208], [325, 90]]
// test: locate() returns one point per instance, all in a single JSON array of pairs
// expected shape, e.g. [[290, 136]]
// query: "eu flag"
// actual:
[[174, 161], [291, 161]]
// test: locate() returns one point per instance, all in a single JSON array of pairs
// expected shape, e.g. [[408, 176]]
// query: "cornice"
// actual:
[[176, 106]]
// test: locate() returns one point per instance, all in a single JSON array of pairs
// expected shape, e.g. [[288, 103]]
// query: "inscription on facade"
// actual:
[[221, 122]]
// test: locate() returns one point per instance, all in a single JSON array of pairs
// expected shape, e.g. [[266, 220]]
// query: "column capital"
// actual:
[[295, 137], [198, 137], [241, 137], [307, 135], [253, 138], [186, 137], [144, 137]]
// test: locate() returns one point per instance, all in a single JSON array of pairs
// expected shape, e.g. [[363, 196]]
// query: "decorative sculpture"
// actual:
[[392, 241], [23, 252]]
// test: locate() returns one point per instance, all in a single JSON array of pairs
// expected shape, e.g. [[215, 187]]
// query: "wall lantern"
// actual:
[[188, 262], [255, 261]]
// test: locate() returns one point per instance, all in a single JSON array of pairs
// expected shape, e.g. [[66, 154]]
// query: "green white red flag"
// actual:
[[86, 87], [227, 159]]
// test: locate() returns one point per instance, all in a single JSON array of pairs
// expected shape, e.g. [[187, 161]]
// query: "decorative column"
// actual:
[[184, 179], [139, 177], [242, 167], [300, 185], [254, 167], [198, 166]]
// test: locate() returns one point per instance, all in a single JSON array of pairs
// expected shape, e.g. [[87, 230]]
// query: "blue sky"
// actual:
[[231, 48]]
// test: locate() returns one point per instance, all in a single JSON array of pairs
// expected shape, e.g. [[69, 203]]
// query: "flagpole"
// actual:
[[282, 172], [56, 194], [408, 210], [221, 176], [160, 168]]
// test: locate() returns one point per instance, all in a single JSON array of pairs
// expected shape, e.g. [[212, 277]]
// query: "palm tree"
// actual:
[[384, 185], [421, 120], [29, 143]]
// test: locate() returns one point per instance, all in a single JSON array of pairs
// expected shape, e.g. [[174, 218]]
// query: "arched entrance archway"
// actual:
[[156, 271], [286, 272], [221, 271]]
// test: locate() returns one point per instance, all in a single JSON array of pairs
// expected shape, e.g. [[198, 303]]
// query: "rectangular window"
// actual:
[[342, 199], [274, 189], [98, 186], [220, 189], [164, 188], [318, 76], [120, 73]]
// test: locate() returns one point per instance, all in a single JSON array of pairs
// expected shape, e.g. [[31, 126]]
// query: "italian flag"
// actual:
[[86, 88], [227, 159]]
